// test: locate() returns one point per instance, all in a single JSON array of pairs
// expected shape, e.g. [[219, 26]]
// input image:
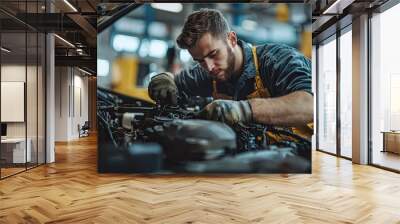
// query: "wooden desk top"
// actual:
[[390, 132], [14, 140]]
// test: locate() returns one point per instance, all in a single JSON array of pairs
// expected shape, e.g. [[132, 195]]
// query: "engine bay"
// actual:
[[139, 137]]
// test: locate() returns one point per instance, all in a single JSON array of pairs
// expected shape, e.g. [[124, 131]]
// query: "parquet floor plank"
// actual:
[[71, 191]]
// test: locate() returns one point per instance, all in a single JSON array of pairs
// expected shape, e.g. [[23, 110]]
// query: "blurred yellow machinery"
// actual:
[[306, 43], [124, 78], [282, 12]]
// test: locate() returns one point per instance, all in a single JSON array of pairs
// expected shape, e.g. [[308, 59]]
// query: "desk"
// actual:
[[391, 141], [13, 150]]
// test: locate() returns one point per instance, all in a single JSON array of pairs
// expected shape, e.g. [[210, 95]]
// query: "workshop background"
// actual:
[[143, 42]]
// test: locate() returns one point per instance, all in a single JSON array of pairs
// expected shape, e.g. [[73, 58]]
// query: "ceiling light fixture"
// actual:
[[5, 49], [84, 71], [65, 41], [70, 5], [337, 7], [170, 7]]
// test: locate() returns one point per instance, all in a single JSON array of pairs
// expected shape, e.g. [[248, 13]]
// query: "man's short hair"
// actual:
[[200, 22]]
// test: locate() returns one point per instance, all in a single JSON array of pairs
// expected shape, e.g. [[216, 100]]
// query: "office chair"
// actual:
[[84, 130]]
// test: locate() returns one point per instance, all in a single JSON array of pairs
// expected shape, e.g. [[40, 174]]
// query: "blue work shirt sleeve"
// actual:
[[285, 70], [194, 82]]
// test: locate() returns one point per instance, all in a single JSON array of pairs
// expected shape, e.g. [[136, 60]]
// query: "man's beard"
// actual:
[[231, 65]]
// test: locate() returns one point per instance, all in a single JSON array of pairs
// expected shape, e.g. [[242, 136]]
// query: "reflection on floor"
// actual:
[[11, 169], [386, 159]]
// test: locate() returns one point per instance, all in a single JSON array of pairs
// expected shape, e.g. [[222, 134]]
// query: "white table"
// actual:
[[17, 146]]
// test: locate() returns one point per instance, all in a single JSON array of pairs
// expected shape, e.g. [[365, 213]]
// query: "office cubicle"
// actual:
[[22, 77]]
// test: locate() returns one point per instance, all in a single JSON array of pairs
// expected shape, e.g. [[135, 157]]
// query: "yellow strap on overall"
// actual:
[[260, 91]]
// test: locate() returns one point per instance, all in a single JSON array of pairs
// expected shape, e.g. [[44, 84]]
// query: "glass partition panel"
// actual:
[[31, 98], [15, 151], [22, 64]]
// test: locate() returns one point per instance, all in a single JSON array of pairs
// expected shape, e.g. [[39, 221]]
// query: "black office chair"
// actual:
[[84, 130]]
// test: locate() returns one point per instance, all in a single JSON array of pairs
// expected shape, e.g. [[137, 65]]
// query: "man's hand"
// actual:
[[162, 89], [228, 111]]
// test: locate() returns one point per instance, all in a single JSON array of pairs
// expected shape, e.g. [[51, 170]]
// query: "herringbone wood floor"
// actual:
[[71, 191]]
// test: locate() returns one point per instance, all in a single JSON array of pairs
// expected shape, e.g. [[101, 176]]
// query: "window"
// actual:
[[346, 94], [385, 85], [327, 96]]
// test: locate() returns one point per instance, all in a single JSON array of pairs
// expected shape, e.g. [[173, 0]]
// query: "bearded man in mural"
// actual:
[[268, 84]]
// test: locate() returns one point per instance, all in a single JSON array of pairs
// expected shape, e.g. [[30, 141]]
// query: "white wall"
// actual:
[[33, 126], [61, 104], [16, 73], [71, 94], [10, 73], [81, 100]]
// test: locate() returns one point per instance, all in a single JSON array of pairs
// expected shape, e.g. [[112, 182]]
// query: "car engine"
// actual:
[[140, 137]]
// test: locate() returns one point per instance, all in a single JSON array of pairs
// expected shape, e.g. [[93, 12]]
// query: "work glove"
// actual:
[[228, 111], [163, 90]]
